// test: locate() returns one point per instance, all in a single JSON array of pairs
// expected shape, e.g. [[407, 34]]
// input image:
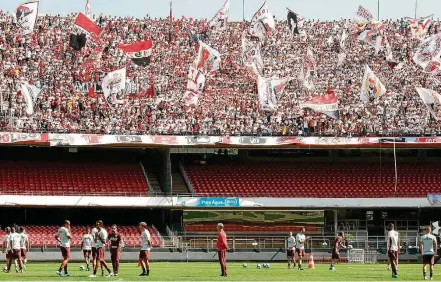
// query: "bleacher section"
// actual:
[[44, 236], [318, 180], [72, 178]]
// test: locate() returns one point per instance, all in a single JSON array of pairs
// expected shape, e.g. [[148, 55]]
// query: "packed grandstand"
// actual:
[[71, 100], [263, 128]]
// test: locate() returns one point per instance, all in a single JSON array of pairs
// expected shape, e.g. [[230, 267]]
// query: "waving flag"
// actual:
[[30, 94], [327, 104], [309, 70], [362, 17], [428, 54], [195, 86], [139, 52], [295, 24], [429, 98], [373, 35], [85, 27], [26, 15], [208, 59], [269, 89], [419, 27], [371, 87], [251, 55], [262, 23], [220, 20], [113, 86]]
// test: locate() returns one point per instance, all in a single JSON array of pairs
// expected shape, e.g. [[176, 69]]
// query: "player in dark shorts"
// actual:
[[115, 248], [428, 247], [290, 250], [338, 243]]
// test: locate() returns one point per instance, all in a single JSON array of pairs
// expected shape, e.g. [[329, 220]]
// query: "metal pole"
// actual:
[[243, 10], [416, 8], [378, 10]]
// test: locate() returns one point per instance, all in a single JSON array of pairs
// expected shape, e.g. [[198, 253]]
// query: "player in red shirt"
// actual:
[[222, 247], [338, 243], [115, 248]]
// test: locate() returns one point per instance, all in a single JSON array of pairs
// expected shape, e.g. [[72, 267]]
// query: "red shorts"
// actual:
[[93, 253], [100, 254], [115, 254], [335, 254], [393, 255], [300, 252], [87, 253], [144, 255], [24, 253], [65, 252], [16, 254]]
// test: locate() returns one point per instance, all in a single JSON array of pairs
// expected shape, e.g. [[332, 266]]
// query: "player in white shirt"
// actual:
[[144, 254], [15, 239], [300, 246], [392, 248], [8, 250], [24, 246], [94, 253], [290, 250], [428, 248], [101, 240], [86, 246], [63, 238]]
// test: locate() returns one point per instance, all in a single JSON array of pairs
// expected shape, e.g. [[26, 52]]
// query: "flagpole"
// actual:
[[378, 10], [243, 10], [416, 8]]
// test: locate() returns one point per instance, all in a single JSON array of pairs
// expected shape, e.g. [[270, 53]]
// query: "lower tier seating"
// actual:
[[44, 236]]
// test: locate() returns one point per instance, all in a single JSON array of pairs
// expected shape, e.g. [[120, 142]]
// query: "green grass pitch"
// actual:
[[209, 271]]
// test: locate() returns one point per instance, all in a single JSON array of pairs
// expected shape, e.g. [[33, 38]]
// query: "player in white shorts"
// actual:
[[428, 247]]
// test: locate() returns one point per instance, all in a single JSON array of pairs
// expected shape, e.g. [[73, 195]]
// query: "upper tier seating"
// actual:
[[318, 180], [44, 236], [72, 178]]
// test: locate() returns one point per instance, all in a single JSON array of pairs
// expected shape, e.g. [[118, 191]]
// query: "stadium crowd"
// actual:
[[230, 105]]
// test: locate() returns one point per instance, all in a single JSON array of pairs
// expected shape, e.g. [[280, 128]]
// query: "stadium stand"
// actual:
[[72, 178], [230, 104], [43, 235], [338, 180]]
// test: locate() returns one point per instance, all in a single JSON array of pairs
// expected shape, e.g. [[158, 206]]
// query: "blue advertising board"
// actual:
[[209, 202]]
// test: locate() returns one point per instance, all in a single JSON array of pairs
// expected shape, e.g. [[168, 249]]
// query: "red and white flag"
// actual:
[[195, 86], [140, 52], [419, 27], [87, 25], [327, 104], [220, 20]]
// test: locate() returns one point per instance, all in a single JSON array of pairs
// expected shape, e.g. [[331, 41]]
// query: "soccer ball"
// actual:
[[267, 265], [245, 265], [5, 268], [82, 268], [259, 266]]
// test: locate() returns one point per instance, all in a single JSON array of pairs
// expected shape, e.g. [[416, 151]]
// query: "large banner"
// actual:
[[78, 140]]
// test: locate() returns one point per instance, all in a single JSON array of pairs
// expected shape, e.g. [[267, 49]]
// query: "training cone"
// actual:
[[311, 262]]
